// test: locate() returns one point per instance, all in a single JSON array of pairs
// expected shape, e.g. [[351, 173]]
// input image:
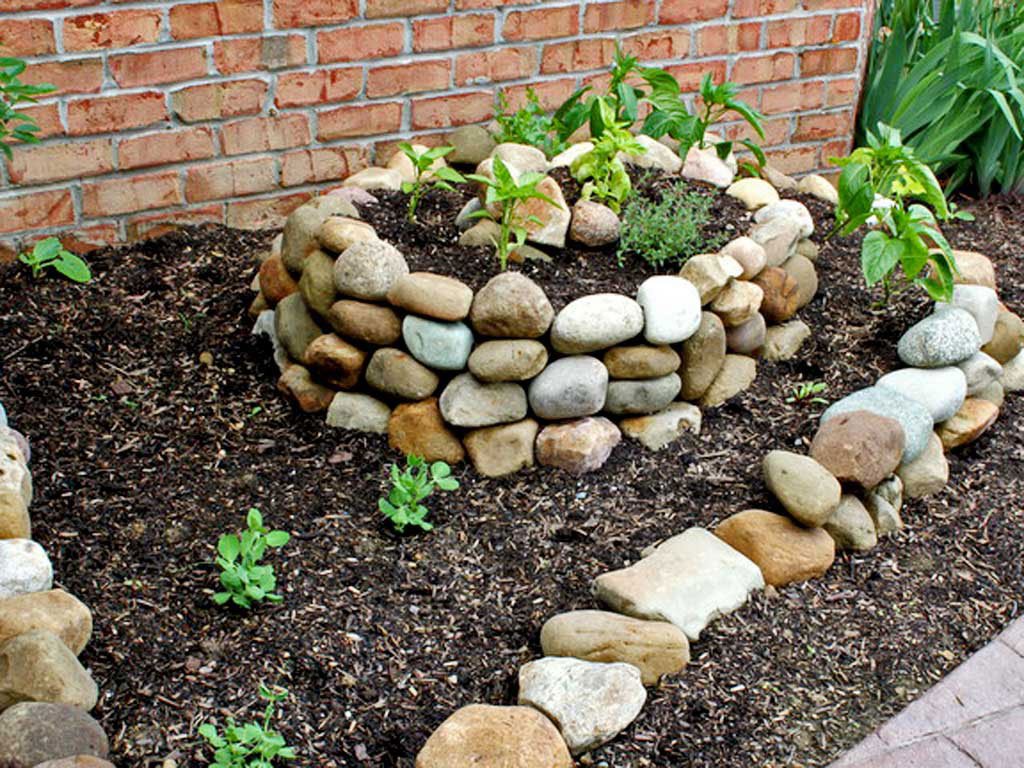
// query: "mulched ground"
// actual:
[[143, 456]]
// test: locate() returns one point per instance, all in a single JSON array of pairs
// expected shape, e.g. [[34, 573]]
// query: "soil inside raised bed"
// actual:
[[143, 456]]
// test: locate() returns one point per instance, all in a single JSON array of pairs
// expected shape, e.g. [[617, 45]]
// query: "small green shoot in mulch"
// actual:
[[410, 487], [807, 393], [427, 177], [245, 581], [49, 253], [251, 745]]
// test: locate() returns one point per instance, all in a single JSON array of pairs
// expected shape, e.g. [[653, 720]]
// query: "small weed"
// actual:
[[252, 745], [245, 581], [807, 392], [410, 487]]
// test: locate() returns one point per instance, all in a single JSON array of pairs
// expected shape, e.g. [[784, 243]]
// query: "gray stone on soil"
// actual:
[[294, 326], [32, 733], [368, 270], [915, 419], [642, 396], [511, 305], [804, 487], [783, 342], [303, 224], [473, 144], [736, 374], [522, 157], [483, 233], [317, 282], [981, 302], [593, 224], [570, 388], [398, 373], [980, 369], [358, 412], [945, 338], [590, 702], [467, 402], [24, 568], [465, 219], [748, 338], [940, 390], [595, 322], [1013, 374], [703, 356], [851, 527], [778, 237], [883, 504], [671, 309], [437, 344], [37, 666], [928, 473]]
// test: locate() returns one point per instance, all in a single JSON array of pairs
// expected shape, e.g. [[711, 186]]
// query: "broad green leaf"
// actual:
[[73, 268]]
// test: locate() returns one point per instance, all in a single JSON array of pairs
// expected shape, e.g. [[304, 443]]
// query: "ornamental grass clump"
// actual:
[[668, 230]]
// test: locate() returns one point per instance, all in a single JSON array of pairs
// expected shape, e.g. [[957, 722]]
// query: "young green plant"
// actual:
[[409, 487], [50, 254], [808, 392], [601, 170], [669, 229], [14, 124], [252, 745], [505, 193], [427, 176], [245, 581]]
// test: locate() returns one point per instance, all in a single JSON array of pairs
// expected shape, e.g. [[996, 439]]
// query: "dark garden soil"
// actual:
[[143, 455]]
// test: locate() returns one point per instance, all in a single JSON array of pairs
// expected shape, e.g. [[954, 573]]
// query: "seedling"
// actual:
[[410, 487], [252, 745], [245, 581], [50, 254], [601, 169], [808, 392], [427, 177], [14, 124]]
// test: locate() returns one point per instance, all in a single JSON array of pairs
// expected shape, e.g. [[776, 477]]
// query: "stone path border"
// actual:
[[972, 718]]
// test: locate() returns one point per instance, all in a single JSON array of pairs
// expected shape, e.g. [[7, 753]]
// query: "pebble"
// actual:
[[804, 487], [24, 568], [302, 225], [911, 415], [338, 233], [397, 373], [15, 496], [275, 281], [37, 666], [502, 450], [435, 296], [569, 388], [641, 396], [522, 157], [511, 305], [34, 732], [661, 429], [468, 402], [596, 322], [577, 446], [945, 338], [508, 360], [851, 527], [54, 611], [928, 473], [1013, 374], [703, 356], [802, 270], [671, 309], [783, 342], [982, 303], [418, 429], [859, 447], [779, 239], [368, 270], [883, 504], [974, 269], [444, 346], [375, 178], [317, 282], [940, 390], [656, 156], [358, 412], [472, 144], [784, 551]]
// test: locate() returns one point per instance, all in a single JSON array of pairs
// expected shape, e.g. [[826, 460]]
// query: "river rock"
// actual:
[[521, 157], [368, 270], [1013, 374], [818, 186], [749, 254], [78, 761], [656, 156], [275, 280], [784, 551], [968, 424], [480, 735], [595, 322], [311, 396], [294, 326], [593, 224], [375, 178], [859, 447], [15, 498], [577, 446], [440, 345], [783, 342], [1007, 337], [661, 429], [736, 374], [642, 396], [974, 269], [354, 195], [748, 338], [24, 568], [502, 450], [706, 165], [37, 666], [400, 162], [779, 238], [928, 473], [641, 362], [335, 361], [508, 360], [982, 303], [472, 144], [397, 373], [706, 271], [980, 371], [468, 402], [365, 323], [484, 233], [671, 309], [851, 527], [802, 270], [33, 732], [911, 415], [703, 356], [946, 338], [338, 233], [567, 157], [738, 302], [590, 702], [804, 487], [434, 296], [940, 390], [994, 393], [317, 282], [418, 429], [688, 580], [302, 225], [753, 193], [778, 179], [883, 504], [569, 388], [781, 294], [545, 224], [55, 611], [655, 648], [787, 209], [358, 412], [511, 305]]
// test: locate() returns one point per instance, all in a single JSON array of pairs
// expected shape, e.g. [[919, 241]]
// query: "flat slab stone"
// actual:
[[689, 580]]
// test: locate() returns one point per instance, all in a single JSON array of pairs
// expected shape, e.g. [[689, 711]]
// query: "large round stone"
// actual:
[[569, 388], [784, 551], [502, 450], [417, 429], [435, 296], [738, 302], [275, 281], [807, 490], [55, 611], [508, 360], [703, 356], [970, 422], [781, 294], [467, 402], [753, 193], [981, 302], [851, 527], [24, 568], [748, 338], [317, 282], [735, 375], [511, 305], [577, 446], [749, 253], [593, 224], [339, 233], [802, 269], [295, 326], [642, 396], [440, 345], [948, 337], [793, 210], [941, 390], [671, 308], [596, 322], [397, 373], [358, 412], [911, 415], [365, 323], [641, 362], [928, 473], [37, 666], [335, 361], [981, 371], [368, 270], [32, 733], [1007, 338], [859, 447]]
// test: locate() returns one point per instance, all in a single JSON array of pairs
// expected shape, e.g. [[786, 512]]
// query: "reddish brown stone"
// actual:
[[860, 447], [275, 281], [781, 294], [784, 551], [335, 360], [418, 429]]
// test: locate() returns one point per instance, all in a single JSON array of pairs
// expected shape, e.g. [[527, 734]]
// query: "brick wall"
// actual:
[[236, 111]]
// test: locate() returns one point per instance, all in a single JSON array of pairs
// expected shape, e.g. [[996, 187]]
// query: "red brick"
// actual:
[[225, 17], [376, 9], [690, 75], [73, 76], [577, 55], [447, 32], [116, 29], [414, 77], [12, 6], [446, 111], [794, 159], [237, 178], [36, 210], [321, 86], [542, 23], [788, 33], [291, 14], [776, 131], [840, 93], [115, 113], [822, 126], [821, 5], [361, 120], [847, 28], [47, 117], [684, 11], [375, 41], [86, 239], [265, 213], [264, 134], [763, 69], [127, 194], [507, 63], [157, 67], [157, 224], [828, 61], [55, 162], [618, 15], [650, 46], [550, 93], [252, 54], [834, 149], [792, 97], [475, 5], [218, 100], [307, 166], [165, 148], [743, 8], [27, 37], [728, 38], [385, 149]]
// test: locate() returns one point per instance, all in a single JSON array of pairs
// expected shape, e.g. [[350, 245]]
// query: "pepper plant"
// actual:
[[14, 124], [409, 487], [601, 170], [252, 745], [427, 177], [245, 581]]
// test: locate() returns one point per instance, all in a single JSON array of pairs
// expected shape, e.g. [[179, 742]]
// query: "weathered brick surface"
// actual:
[[239, 110]]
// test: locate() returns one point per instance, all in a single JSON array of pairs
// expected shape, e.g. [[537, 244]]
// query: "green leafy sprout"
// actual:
[[808, 392], [409, 487], [245, 581], [251, 745], [49, 253], [505, 193], [601, 170], [14, 124], [427, 177], [531, 125]]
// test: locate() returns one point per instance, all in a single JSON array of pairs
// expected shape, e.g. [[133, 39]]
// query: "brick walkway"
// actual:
[[973, 718]]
